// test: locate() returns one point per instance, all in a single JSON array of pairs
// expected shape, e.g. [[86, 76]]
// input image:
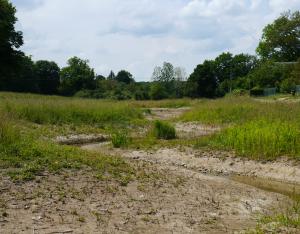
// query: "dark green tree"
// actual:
[[77, 76], [231, 71], [10, 40], [224, 67], [9, 36], [281, 39], [204, 79], [124, 77], [269, 74], [100, 77], [47, 75], [229, 67]]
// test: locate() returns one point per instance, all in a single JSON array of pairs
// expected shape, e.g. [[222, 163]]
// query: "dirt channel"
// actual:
[[245, 188], [188, 191]]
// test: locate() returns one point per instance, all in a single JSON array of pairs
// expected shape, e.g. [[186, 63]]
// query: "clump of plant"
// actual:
[[120, 139], [262, 139], [164, 130]]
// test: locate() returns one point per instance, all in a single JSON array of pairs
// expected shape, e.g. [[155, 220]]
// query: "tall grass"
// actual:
[[260, 130], [120, 139], [262, 139], [164, 130], [26, 157], [237, 110], [58, 110]]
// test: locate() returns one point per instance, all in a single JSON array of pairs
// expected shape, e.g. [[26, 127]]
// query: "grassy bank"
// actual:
[[259, 130], [24, 157]]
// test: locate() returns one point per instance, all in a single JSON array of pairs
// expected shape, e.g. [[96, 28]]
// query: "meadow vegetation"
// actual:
[[57, 110], [255, 129], [26, 152]]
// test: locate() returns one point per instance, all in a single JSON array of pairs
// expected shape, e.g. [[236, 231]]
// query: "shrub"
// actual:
[[120, 139], [164, 130]]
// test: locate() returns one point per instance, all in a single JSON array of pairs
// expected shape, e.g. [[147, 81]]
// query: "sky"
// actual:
[[137, 35]]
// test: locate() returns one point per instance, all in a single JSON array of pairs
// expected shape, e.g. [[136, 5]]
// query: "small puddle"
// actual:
[[288, 189]]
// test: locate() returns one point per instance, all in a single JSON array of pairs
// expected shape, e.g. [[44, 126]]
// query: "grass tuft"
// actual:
[[120, 139], [164, 130]]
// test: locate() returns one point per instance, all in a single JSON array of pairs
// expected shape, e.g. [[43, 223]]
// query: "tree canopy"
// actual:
[[124, 77], [204, 80], [11, 59], [47, 74], [77, 76], [281, 39]]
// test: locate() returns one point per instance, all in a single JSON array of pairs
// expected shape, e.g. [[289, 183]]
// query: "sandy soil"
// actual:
[[218, 163], [172, 200], [81, 139], [194, 129], [166, 113]]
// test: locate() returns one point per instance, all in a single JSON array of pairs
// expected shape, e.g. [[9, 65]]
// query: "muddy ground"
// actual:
[[174, 200], [179, 190]]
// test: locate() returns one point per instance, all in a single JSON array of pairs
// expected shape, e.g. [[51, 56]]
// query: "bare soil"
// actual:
[[171, 200], [166, 113]]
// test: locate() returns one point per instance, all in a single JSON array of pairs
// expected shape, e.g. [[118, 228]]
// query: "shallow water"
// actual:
[[287, 189]]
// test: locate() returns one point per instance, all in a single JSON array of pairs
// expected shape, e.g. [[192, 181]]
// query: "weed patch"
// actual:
[[164, 130], [120, 139], [261, 139], [26, 157]]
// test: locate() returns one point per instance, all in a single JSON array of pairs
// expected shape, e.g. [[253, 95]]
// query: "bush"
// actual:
[[287, 86], [257, 92], [120, 139], [164, 130]]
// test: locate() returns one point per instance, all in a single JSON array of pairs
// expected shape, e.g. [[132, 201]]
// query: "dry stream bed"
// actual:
[[189, 191]]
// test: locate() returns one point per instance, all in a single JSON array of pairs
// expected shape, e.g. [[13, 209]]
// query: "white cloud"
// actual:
[[139, 34]]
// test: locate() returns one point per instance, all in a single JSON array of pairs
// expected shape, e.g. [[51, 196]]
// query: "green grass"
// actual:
[[237, 110], [251, 128], [58, 110], [120, 139], [24, 157], [163, 130], [261, 139]]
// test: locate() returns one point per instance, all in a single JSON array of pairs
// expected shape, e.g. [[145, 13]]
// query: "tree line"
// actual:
[[275, 65]]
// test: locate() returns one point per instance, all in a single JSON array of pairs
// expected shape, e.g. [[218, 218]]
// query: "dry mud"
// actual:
[[81, 139], [174, 200], [218, 163], [166, 113]]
